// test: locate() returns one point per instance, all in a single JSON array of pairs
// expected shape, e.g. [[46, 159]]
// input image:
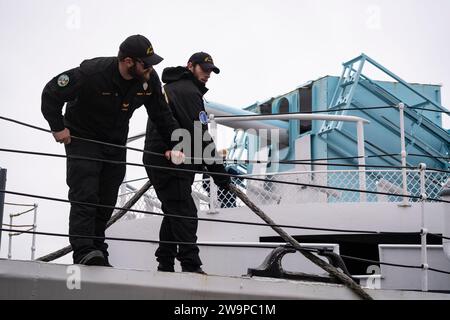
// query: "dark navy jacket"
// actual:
[[100, 102]]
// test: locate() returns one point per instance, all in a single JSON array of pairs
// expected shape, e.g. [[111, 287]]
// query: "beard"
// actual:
[[140, 76]]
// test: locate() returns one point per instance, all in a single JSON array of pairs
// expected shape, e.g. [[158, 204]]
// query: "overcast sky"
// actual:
[[264, 48]]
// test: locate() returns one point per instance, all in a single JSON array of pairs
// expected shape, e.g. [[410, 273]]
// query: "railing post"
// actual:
[[213, 127], [212, 187], [361, 159], [423, 231], [401, 107], [212, 196], [10, 235], [122, 191], [33, 241], [2, 198]]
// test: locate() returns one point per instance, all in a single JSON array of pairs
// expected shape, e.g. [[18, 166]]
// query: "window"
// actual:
[[283, 106], [305, 95]]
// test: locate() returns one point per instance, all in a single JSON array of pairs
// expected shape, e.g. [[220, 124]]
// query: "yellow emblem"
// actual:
[[149, 51]]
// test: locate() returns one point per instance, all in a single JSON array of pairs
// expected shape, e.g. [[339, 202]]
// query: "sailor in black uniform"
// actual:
[[101, 96], [184, 90]]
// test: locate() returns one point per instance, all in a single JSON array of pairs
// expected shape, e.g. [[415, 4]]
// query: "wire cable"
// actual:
[[294, 161], [391, 264], [300, 113], [192, 218], [145, 151], [428, 109], [228, 245], [223, 174], [426, 156], [151, 241], [54, 155], [439, 236], [194, 158]]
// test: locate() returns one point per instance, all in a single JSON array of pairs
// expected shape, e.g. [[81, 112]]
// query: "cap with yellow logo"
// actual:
[[204, 60], [138, 46]]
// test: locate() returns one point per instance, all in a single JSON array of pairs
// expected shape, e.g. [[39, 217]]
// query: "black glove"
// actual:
[[221, 180]]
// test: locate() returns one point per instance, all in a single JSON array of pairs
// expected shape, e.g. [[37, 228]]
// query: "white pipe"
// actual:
[[33, 241], [424, 231], [10, 237], [327, 117], [446, 242], [401, 108], [361, 160], [213, 128], [317, 171], [212, 196]]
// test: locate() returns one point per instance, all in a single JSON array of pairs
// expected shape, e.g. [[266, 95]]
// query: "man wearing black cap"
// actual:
[[101, 96], [184, 90]]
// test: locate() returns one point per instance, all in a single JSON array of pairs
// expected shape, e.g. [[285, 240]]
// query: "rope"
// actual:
[[332, 271], [192, 218], [135, 180]]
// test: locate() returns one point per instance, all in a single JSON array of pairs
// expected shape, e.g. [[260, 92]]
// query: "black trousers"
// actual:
[[94, 182], [174, 191]]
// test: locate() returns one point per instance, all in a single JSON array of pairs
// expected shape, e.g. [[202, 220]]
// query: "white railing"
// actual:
[[360, 122], [12, 226], [312, 188]]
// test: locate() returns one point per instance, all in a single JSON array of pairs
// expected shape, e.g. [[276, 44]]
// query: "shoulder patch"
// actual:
[[63, 80]]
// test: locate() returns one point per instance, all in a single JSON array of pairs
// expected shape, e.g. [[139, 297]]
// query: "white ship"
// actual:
[[367, 169]]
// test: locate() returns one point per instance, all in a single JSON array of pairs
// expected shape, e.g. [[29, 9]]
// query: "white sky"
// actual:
[[264, 48]]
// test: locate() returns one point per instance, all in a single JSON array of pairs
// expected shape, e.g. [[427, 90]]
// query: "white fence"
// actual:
[[313, 187]]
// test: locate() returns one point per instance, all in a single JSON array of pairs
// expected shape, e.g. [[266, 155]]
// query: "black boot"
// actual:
[[93, 258], [193, 269], [166, 267]]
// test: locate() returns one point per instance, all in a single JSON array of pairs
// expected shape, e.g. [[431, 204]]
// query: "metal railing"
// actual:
[[31, 227], [272, 193]]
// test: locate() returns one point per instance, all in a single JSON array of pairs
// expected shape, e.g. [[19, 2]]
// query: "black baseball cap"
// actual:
[[205, 61], [138, 46]]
